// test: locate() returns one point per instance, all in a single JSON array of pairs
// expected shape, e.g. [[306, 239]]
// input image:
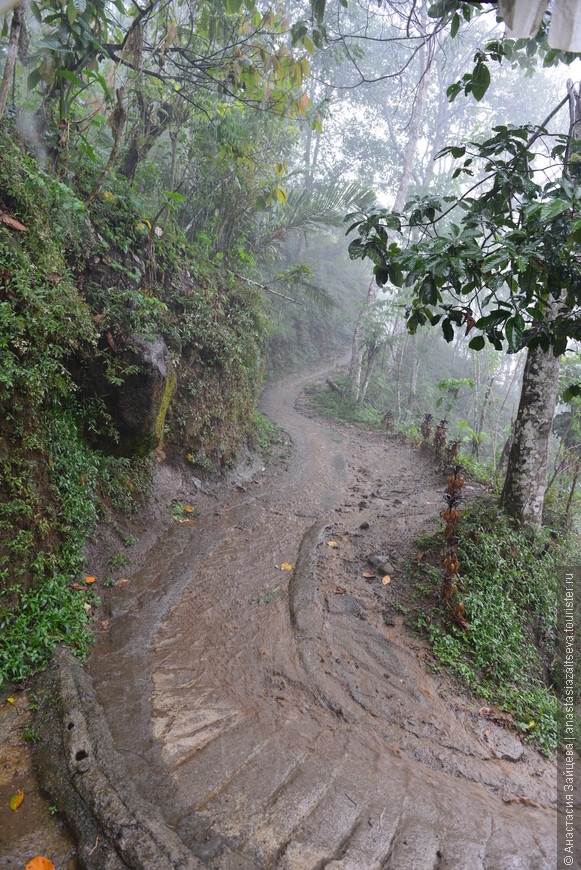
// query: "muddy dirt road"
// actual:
[[285, 718]]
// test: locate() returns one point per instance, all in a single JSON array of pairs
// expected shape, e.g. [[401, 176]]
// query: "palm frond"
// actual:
[[324, 205], [321, 297]]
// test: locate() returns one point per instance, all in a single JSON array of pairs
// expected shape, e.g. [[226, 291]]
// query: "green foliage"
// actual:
[[476, 469], [32, 622], [450, 387], [510, 251], [54, 484], [265, 433], [124, 485], [328, 402], [510, 598]]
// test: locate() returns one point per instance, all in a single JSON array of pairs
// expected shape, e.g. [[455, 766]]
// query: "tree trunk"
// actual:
[[372, 357], [399, 357], [503, 459], [414, 131], [11, 53], [145, 131], [573, 485], [358, 346], [524, 488], [415, 374], [526, 478], [475, 446]]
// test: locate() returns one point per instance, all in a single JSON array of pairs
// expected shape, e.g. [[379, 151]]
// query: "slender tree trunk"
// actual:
[[358, 346], [117, 124], [372, 357], [524, 488], [475, 447], [573, 485], [416, 359], [11, 53], [355, 372], [503, 459], [401, 349], [413, 132]]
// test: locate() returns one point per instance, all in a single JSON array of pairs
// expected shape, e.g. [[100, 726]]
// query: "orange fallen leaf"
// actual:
[[385, 580], [40, 863], [368, 575], [12, 222], [332, 544], [122, 582], [188, 509], [16, 800], [90, 579]]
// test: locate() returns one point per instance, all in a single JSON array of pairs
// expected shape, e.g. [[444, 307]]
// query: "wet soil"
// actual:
[[262, 689], [286, 718], [34, 828]]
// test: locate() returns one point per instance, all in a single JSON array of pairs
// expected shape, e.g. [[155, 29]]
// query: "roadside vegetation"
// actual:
[[496, 636], [505, 654]]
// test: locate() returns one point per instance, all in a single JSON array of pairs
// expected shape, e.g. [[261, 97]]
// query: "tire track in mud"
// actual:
[[277, 724]]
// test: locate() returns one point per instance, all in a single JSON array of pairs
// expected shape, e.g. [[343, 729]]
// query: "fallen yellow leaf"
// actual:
[[90, 579], [385, 580], [10, 700], [40, 863], [16, 800], [286, 567], [188, 509], [332, 544]]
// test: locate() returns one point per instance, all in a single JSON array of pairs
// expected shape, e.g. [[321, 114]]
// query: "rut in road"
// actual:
[[278, 724]]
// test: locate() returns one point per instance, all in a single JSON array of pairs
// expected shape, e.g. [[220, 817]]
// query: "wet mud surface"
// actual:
[[286, 718]]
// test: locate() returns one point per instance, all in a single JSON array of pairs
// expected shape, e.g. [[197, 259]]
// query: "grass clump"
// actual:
[[505, 657], [330, 403], [265, 434]]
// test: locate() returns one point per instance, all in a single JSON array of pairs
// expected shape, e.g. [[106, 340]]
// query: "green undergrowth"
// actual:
[[330, 403], [265, 434], [75, 284], [55, 488], [477, 470], [506, 655]]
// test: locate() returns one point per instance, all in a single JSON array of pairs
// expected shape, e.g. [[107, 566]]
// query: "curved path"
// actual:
[[278, 724]]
